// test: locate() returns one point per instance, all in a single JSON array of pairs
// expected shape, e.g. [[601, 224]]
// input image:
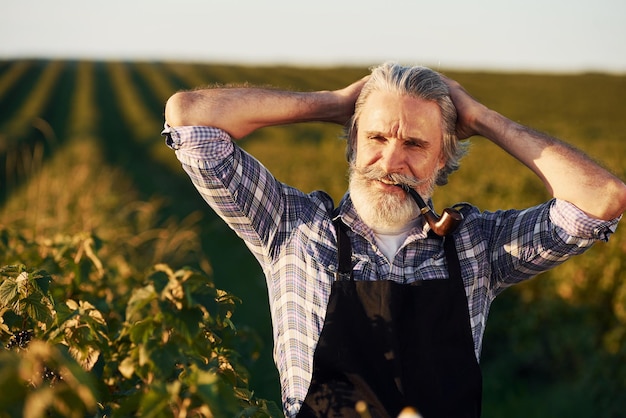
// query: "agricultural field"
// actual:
[[90, 194]]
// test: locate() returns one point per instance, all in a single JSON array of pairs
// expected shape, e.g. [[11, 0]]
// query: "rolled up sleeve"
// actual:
[[198, 146], [577, 223]]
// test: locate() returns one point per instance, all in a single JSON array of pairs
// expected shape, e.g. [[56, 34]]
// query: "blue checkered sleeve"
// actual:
[[244, 195]]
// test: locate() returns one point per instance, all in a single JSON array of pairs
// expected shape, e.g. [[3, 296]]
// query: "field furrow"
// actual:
[[158, 81], [10, 76], [84, 114], [189, 75], [37, 101], [18, 90], [141, 121]]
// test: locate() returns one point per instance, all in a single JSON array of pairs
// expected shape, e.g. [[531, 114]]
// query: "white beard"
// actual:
[[383, 212]]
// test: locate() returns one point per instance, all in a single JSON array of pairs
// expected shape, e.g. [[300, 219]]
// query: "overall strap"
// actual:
[[452, 257], [344, 251]]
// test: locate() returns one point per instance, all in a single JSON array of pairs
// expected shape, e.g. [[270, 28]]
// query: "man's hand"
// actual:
[[468, 109], [349, 95]]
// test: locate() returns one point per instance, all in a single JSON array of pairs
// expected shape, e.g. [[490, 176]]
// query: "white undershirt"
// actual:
[[389, 242]]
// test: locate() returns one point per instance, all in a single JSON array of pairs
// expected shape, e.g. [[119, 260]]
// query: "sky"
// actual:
[[508, 35]]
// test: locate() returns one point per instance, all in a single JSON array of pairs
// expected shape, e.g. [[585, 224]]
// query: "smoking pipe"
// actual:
[[442, 226]]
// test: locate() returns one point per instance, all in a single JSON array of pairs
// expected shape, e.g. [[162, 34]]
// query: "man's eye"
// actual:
[[415, 144]]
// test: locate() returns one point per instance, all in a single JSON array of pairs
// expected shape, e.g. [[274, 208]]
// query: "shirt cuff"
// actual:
[[167, 133], [577, 223], [198, 143]]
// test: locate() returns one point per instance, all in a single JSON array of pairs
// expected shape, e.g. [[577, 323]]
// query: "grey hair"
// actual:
[[421, 82]]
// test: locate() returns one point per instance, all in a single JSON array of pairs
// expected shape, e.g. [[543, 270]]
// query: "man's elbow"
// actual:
[[621, 200], [186, 108], [615, 204], [203, 108], [176, 109]]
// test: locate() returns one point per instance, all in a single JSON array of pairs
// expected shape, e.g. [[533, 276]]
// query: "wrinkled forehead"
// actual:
[[400, 115]]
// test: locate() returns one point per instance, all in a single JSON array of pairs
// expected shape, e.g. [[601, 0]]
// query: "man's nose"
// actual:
[[392, 158]]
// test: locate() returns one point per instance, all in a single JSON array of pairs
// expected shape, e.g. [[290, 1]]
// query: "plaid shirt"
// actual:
[[292, 236]]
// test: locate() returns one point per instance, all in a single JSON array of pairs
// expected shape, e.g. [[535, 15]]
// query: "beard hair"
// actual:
[[383, 212]]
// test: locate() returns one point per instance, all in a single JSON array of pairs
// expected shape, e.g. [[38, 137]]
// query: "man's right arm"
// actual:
[[567, 173], [241, 111]]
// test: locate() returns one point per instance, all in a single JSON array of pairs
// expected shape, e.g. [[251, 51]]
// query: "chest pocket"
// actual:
[[406, 268], [433, 268], [365, 268]]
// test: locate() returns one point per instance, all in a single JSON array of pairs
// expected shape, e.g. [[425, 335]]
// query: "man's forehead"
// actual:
[[394, 113]]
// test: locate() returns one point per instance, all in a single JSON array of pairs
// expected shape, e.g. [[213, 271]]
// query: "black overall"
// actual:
[[394, 345]]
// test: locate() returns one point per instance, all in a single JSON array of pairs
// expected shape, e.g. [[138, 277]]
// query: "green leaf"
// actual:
[[127, 367], [216, 394], [12, 270], [164, 359], [159, 279], [38, 308], [272, 409], [41, 279], [141, 331], [155, 403], [140, 298], [64, 313], [230, 324], [129, 404], [185, 322], [9, 294]]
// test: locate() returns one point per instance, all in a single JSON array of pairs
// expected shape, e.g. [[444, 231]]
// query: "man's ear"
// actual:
[[442, 161], [351, 144]]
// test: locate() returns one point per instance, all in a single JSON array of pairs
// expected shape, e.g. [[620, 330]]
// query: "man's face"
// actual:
[[396, 135]]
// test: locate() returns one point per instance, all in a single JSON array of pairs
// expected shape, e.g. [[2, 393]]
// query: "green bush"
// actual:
[[79, 343]]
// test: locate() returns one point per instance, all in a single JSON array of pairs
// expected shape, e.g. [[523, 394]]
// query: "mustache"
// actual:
[[376, 173]]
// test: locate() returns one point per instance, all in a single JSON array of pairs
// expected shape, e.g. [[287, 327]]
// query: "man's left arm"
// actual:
[[566, 172]]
